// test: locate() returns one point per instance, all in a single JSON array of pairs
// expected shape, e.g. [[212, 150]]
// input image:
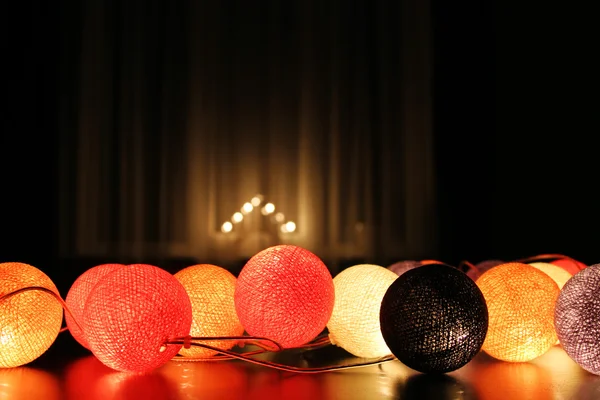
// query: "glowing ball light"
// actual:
[[577, 318], [520, 301], [211, 290], [78, 295], [285, 293], [402, 266], [131, 312], [558, 274], [354, 323], [434, 318], [29, 321], [573, 266]]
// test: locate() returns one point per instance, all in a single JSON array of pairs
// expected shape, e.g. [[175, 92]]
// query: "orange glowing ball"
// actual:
[[29, 321], [130, 315], [211, 290], [520, 300], [573, 266], [558, 274], [285, 293], [78, 295]]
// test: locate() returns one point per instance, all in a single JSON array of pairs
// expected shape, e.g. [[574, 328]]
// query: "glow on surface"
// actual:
[[29, 321], [279, 217], [558, 274], [211, 290], [520, 300], [354, 324]]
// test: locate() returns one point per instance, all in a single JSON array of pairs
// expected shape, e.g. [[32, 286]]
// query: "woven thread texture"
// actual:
[[354, 323], [130, 314], [577, 318], [434, 318], [285, 293], [211, 290], [78, 294], [521, 302], [29, 321], [558, 274]]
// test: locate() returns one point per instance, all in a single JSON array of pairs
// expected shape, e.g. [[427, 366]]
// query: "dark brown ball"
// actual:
[[434, 318]]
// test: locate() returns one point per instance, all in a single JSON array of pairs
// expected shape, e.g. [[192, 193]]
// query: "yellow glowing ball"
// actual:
[[29, 321], [211, 290], [520, 300], [558, 274], [354, 324]]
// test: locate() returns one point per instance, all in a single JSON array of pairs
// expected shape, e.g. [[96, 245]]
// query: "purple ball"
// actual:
[[577, 318], [482, 267], [402, 266]]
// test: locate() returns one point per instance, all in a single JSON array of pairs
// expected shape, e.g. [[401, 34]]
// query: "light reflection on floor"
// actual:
[[552, 376]]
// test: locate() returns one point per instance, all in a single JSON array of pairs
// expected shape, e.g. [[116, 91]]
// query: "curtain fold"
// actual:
[[187, 110]]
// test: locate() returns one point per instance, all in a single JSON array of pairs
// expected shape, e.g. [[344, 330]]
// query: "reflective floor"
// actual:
[[82, 376]]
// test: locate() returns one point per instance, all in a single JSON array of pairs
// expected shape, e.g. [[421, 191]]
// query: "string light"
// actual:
[[237, 217], [226, 227], [266, 210], [129, 350], [247, 208]]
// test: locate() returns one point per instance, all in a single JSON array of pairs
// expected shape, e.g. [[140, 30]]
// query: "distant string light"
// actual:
[[266, 210]]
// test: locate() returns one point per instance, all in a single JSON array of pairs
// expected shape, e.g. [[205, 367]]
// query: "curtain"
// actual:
[[175, 114]]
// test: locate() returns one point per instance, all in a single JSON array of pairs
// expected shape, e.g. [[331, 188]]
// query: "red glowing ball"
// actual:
[[78, 295], [131, 313], [570, 265], [285, 293]]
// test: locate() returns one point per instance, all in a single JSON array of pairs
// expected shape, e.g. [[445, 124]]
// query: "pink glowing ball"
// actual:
[[130, 315]]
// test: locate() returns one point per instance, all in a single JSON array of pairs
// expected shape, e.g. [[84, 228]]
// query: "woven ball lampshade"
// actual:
[[211, 290], [577, 318], [285, 293], [354, 323], [131, 312], [520, 301], [402, 266], [434, 318], [558, 274], [29, 321], [77, 296], [569, 264]]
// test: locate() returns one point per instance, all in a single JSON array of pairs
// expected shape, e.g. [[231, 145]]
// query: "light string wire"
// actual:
[[266, 345]]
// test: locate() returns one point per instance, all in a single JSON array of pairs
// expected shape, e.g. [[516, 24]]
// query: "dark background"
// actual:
[[516, 169]]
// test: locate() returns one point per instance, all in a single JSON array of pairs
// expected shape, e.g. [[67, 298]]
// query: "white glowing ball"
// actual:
[[354, 324]]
